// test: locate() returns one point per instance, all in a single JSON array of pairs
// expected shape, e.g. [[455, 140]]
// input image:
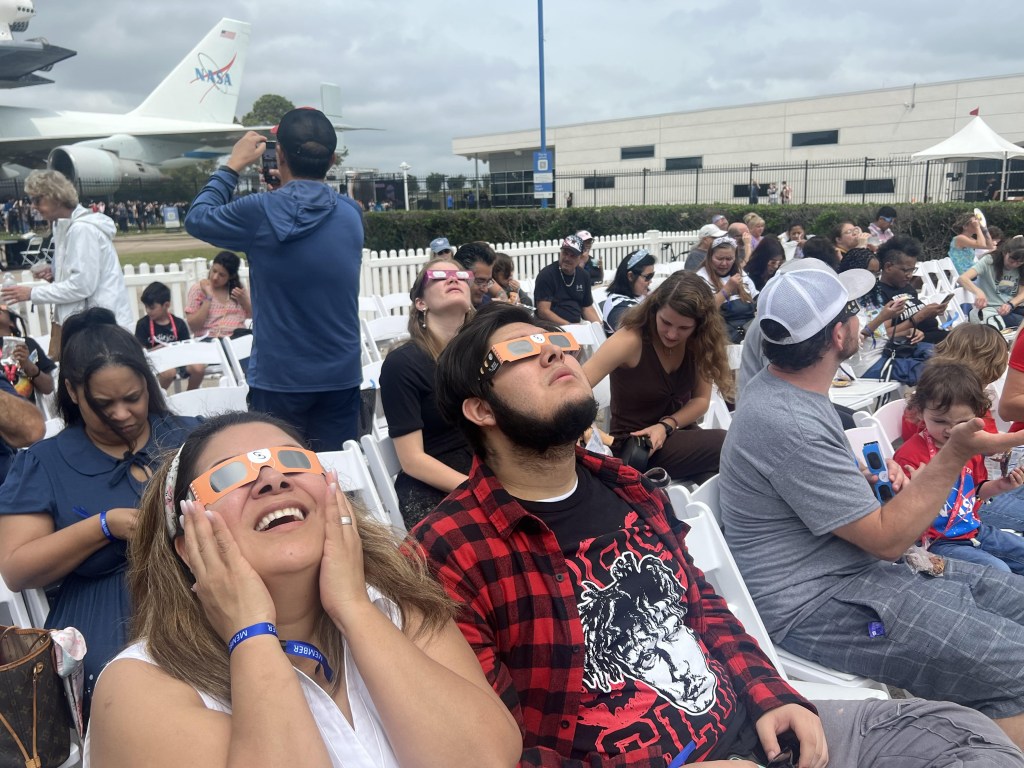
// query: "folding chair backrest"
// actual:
[[888, 419], [355, 477], [858, 437], [370, 306], [392, 301], [708, 494], [590, 336], [382, 460], [711, 554], [183, 353], [53, 427], [209, 401], [717, 415], [370, 352], [13, 611], [371, 380]]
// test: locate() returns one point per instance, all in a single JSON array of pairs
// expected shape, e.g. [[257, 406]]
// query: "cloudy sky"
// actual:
[[426, 71]]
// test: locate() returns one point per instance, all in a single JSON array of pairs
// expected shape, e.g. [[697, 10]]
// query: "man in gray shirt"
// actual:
[[818, 552], [695, 258]]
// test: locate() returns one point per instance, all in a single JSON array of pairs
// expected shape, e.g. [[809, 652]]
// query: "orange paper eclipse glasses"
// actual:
[[243, 469], [513, 350]]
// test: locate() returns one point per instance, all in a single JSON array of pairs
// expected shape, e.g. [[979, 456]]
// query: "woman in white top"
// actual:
[[86, 271], [734, 290], [277, 626]]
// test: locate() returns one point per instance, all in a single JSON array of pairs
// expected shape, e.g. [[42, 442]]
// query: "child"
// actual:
[[950, 393], [160, 327]]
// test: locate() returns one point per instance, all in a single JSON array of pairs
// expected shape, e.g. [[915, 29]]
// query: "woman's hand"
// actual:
[[240, 295], [1005, 309], [980, 302], [342, 581], [121, 521], [513, 284], [656, 433], [862, 238], [732, 285], [232, 594], [206, 287], [21, 357], [892, 309]]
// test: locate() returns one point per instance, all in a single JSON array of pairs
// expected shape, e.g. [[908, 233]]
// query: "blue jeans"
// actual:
[[998, 549], [1004, 511]]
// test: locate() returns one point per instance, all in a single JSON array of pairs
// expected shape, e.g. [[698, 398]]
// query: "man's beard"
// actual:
[[564, 427]]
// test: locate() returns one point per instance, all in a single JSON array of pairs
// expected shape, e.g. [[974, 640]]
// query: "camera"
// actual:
[[270, 163]]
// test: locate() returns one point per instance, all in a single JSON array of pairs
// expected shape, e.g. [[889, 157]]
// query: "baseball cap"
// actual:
[[583, 235], [439, 244], [806, 295], [573, 243], [716, 217], [710, 230], [307, 132]]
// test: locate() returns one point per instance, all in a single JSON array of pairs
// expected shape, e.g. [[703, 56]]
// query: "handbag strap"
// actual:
[[32, 761]]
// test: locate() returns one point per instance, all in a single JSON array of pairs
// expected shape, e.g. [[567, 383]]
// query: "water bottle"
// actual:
[[10, 282]]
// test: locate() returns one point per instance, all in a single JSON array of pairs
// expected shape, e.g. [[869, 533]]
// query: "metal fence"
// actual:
[[853, 180]]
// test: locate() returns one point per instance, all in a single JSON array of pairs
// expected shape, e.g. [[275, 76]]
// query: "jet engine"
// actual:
[[97, 171]]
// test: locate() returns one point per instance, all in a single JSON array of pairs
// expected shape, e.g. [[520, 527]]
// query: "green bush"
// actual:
[[932, 224]]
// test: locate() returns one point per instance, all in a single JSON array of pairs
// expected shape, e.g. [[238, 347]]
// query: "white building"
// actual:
[[710, 155]]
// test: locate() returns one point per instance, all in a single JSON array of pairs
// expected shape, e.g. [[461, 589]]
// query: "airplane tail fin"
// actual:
[[204, 87], [330, 101]]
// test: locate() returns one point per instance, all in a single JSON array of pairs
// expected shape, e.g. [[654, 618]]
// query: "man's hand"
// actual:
[[15, 293], [247, 150], [804, 724], [970, 438], [897, 477]]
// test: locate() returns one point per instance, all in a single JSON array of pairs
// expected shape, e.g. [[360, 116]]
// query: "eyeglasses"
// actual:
[[482, 282], [648, 276], [245, 468], [448, 274], [851, 309], [514, 350]]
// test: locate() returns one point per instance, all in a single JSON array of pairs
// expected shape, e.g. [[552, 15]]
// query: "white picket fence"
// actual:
[[383, 272]]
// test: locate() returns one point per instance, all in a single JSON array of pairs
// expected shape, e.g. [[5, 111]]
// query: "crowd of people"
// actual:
[[20, 216], [545, 609]]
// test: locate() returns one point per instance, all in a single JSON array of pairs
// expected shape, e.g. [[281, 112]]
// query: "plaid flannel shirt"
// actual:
[[504, 566]]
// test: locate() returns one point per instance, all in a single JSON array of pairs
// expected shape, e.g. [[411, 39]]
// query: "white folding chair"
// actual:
[[182, 353], [858, 437], [717, 415], [392, 301], [235, 351], [13, 611], [590, 336], [37, 604], [208, 401], [387, 330], [53, 427], [888, 420], [708, 495], [384, 466], [371, 380], [370, 306], [355, 478], [368, 347]]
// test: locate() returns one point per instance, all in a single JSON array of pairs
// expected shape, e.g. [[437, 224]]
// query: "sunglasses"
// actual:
[[448, 274], [243, 469], [514, 350], [852, 308], [648, 277]]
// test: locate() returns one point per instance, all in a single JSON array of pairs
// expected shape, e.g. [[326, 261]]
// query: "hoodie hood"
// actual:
[[298, 208], [101, 221]]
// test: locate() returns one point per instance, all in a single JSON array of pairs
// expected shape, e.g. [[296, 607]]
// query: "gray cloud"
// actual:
[[426, 71]]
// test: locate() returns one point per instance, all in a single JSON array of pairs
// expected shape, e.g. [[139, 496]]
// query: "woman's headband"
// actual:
[[636, 258], [723, 239]]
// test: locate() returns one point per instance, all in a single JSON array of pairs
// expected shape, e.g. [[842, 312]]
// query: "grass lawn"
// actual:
[[167, 257]]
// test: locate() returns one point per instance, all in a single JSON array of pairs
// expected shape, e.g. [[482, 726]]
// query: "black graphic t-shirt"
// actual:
[[648, 677], [568, 295], [152, 334]]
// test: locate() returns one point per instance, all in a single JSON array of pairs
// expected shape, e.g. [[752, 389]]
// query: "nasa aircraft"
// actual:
[[20, 59], [187, 118]]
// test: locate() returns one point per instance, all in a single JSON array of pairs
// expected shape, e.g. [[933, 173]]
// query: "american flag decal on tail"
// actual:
[[228, 34]]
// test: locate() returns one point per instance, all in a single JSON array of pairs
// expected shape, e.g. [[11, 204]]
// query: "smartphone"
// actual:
[[947, 298], [876, 465], [270, 162]]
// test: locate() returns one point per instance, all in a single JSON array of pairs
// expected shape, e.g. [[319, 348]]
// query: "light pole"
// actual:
[[405, 182]]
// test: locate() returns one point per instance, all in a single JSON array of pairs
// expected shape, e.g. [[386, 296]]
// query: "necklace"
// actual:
[[571, 282]]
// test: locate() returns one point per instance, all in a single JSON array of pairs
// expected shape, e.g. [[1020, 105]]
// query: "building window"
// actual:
[[599, 182], [871, 186], [637, 153], [815, 138], [684, 163]]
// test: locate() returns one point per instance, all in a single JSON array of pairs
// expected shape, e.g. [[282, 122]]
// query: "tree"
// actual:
[[456, 182], [268, 109], [434, 182], [414, 184]]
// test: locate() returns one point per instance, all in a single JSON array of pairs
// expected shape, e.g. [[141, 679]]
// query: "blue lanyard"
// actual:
[[308, 651]]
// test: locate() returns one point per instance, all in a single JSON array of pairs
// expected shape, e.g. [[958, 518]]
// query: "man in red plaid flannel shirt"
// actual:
[[579, 598]]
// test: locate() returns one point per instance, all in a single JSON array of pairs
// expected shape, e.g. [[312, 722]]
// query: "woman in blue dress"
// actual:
[[70, 502], [972, 239]]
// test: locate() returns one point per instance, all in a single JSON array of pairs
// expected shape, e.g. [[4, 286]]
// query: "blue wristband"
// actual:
[[263, 628], [106, 528]]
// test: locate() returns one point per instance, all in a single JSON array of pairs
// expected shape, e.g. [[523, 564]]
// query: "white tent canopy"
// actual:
[[975, 140]]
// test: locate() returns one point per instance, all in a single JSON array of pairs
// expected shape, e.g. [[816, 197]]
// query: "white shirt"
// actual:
[[718, 282], [363, 744]]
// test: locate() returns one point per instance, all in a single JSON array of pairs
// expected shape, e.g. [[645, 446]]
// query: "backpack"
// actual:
[[900, 361]]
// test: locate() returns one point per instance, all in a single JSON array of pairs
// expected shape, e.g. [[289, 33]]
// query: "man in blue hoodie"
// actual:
[[304, 245]]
